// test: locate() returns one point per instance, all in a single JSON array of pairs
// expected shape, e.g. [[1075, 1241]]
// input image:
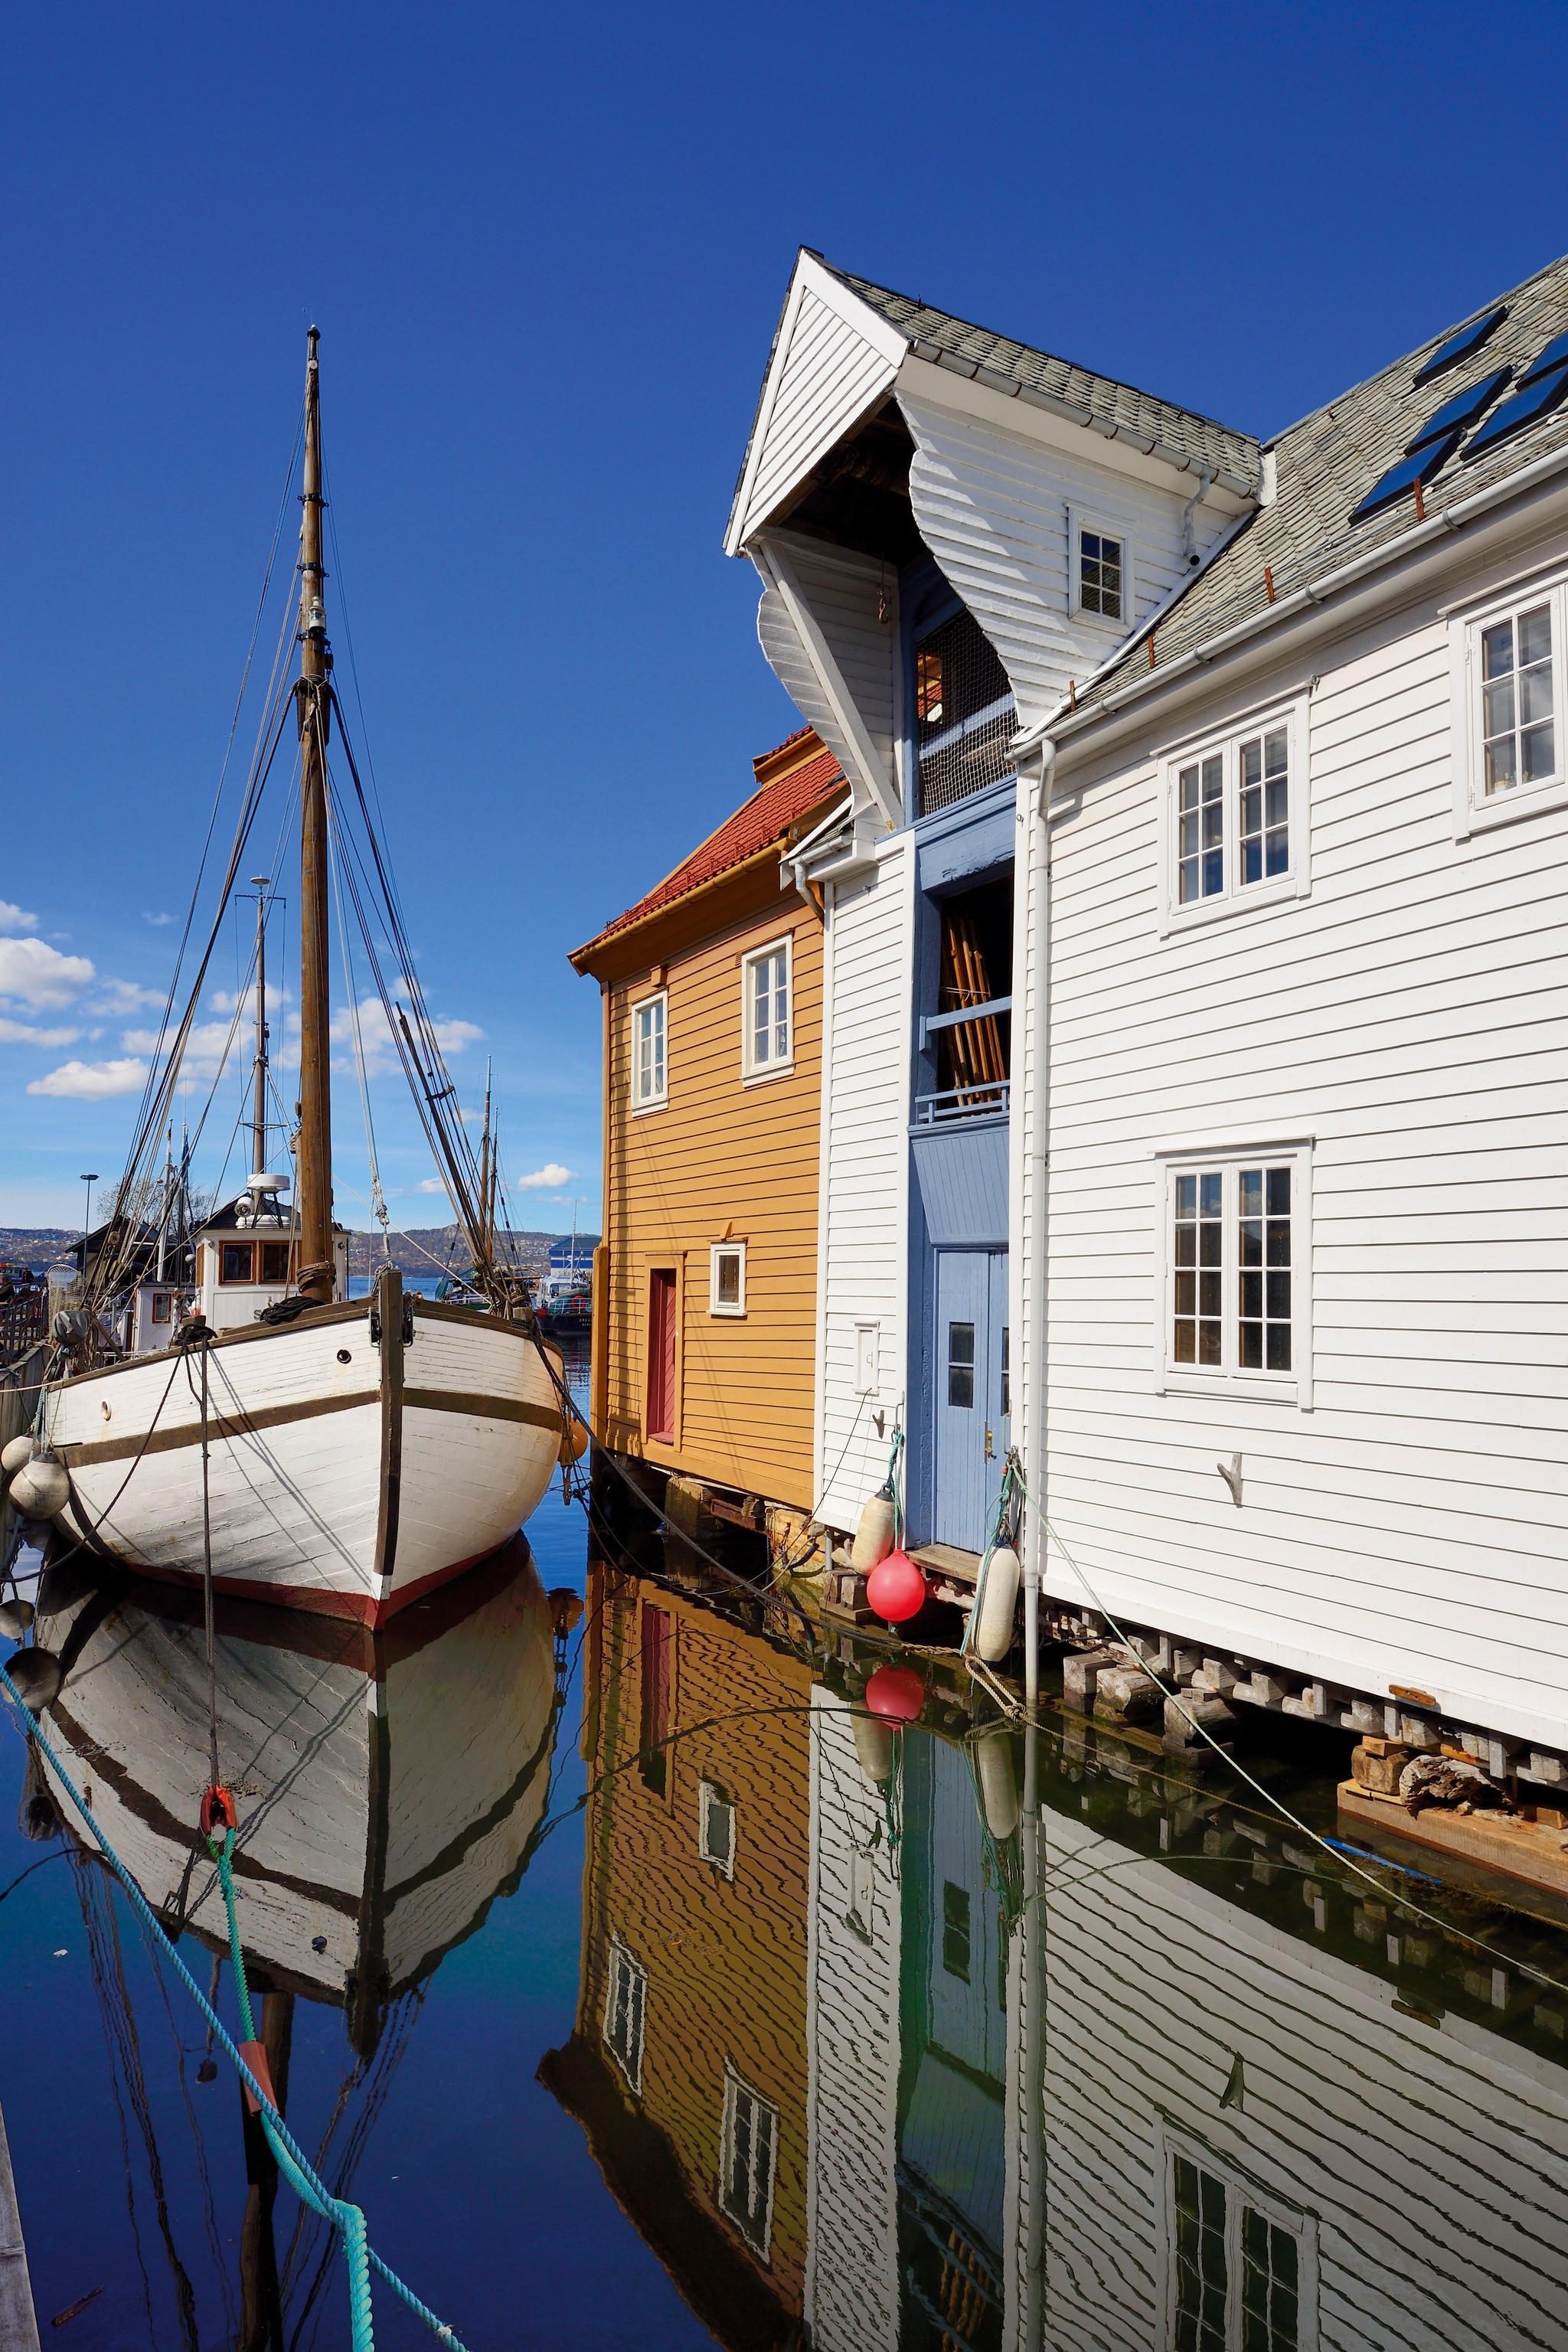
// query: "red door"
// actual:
[[660, 1414]]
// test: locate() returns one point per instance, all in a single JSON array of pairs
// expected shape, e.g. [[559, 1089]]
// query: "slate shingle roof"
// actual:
[[1180, 434], [757, 823], [1326, 465]]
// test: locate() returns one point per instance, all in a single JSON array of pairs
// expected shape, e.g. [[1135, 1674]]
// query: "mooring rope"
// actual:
[[293, 2162]]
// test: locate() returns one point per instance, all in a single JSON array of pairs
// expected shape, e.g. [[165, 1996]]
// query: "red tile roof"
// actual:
[[763, 820]]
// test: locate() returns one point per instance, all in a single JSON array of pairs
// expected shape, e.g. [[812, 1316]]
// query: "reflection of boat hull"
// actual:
[[388, 1785], [347, 1472]]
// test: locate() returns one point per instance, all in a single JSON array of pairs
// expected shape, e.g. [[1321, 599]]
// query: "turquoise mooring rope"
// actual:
[[348, 2219]]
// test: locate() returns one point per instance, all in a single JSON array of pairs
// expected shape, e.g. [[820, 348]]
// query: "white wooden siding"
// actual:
[[841, 588], [992, 507], [865, 1176], [835, 357], [852, 2266], [1434, 2164], [1409, 1016]]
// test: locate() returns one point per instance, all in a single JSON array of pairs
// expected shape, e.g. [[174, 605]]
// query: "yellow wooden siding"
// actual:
[[722, 1158]]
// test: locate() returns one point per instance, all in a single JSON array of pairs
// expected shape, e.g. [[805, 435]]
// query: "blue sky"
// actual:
[[546, 249]]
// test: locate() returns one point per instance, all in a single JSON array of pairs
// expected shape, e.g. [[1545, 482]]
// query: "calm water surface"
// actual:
[[664, 1998]]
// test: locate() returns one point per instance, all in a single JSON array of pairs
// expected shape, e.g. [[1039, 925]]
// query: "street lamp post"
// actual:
[[87, 1216]]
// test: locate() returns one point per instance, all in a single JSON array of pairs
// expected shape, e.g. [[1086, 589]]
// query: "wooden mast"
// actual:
[[316, 1275]]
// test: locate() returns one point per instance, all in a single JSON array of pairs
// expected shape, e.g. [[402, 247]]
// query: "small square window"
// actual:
[[1100, 568], [237, 1262], [716, 1828], [650, 1071], [727, 1278], [767, 1043]]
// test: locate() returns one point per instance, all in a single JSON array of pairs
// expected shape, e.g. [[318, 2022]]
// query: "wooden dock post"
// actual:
[[18, 2322]]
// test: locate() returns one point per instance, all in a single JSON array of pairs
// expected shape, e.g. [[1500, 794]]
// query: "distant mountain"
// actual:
[[422, 1251]]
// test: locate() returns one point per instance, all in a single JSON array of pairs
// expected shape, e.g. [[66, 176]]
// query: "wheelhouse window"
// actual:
[[749, 2142], [163, 1307], [1236, 1303], [1231, 823], [274, 1261], [1100, 567], [650, 1063], [768, 1036], [965, 715], [237, 1262]]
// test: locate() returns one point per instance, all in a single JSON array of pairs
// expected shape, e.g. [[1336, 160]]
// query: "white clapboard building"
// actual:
[[1193, 1105]]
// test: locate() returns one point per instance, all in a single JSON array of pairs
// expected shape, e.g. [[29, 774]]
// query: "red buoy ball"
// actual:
[[896, 1694], [895, 1588]]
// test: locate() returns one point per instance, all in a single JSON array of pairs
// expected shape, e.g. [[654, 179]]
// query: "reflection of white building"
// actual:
[[1249, 2149]]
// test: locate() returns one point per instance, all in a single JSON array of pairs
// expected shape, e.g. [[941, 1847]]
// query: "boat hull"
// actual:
[[349, 1469]]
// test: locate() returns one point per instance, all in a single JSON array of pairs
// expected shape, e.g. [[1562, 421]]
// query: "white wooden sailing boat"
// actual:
[[390, 1784], [334, 1455]]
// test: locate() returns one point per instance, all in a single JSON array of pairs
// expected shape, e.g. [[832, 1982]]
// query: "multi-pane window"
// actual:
[[1263, 1280], [626, 2004], [1237, 2272], [1518, 724], [961, 1365], [716, 1827], [769, 1044], [1231, 820], [1100, 567], [748, 2161], [649, 1069], [1232, 1302]]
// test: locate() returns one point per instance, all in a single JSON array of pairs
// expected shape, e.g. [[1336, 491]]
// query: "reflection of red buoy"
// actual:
[[895, 1588], [897, 1694]]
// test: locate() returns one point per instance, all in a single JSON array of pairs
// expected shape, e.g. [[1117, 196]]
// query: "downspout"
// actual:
[[1033, 1165]]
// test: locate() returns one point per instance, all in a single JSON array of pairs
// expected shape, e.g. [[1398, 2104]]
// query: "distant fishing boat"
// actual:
[[330, 1454]]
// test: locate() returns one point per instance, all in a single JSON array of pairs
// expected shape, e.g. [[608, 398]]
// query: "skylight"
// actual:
[[1418, 466], [1555, 356], [1459, 346], [1463, 409], [1527, 405]]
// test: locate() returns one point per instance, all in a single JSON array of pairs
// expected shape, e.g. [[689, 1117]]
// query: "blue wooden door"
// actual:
[[969, 1401]]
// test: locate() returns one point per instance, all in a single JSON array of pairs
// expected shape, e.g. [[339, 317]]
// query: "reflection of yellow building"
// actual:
[[688, 2065]]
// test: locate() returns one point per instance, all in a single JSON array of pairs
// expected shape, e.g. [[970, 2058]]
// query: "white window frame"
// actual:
[[1237, 897], [1109, 526], [1475, 810], [628, 2060], [867, 1358], [756, 1073], [725, 1307], [1228, 1378], [735, 2086], [1240, 2190], [659, 996], [709, 1795]]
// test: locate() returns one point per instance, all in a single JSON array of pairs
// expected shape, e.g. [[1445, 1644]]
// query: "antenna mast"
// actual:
[[316, 1279]]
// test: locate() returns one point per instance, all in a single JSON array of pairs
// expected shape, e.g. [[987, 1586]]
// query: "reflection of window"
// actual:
[[235, 1262], [1006, 1372], [1099, 574], [1237, 2272], [716, 1828], [657, 1635], [649, 1071], [274, 1261], [626, 2004], [928, 685], [1232, 1306], [961, 1365], [767, 1043], [751, 2139], [955, 1930], [727, 1278]]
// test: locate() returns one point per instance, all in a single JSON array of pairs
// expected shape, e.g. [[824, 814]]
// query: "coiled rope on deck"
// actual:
[[293, 2162]]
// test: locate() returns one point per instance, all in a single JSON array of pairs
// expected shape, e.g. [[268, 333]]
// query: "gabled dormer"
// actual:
[[954, 531]]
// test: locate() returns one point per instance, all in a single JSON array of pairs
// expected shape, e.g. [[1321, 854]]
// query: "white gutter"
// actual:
[[1436, 526]]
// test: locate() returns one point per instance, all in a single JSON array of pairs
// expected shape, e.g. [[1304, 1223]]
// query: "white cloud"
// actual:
[[156, 920], [14, 918], [37, 975], [431, 1184], [22, 1032], [542, 1178], [224, 999], [93, 1081], [120, 997], [376, 1037], [204, 1047]]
